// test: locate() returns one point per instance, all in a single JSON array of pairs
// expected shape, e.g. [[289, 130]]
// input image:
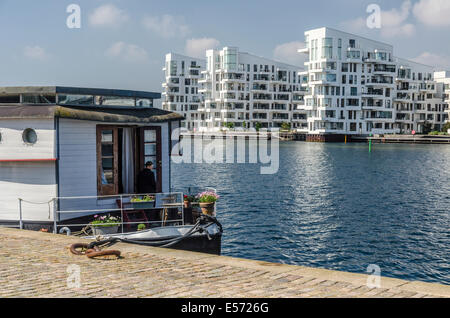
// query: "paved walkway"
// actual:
[[34, 264]]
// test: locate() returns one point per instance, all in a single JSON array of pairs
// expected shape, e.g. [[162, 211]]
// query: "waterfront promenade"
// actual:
[[34, 264]]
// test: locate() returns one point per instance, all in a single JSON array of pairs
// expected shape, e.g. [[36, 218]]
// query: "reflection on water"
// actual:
[[338, 207]]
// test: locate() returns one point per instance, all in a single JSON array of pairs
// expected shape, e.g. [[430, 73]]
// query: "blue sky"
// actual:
[[121, 44]]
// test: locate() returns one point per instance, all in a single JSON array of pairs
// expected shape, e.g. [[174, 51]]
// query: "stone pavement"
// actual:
[[34, 264]]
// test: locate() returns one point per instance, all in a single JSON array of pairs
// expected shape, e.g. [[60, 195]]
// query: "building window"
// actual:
[[29, 136], [327, 48]]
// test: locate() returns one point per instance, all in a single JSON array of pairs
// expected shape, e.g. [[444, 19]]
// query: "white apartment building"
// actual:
[[181, 88], [444, 78], [244, 90], [357, 86]]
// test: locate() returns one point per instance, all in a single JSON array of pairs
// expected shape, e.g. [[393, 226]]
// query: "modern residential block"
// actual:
[[181, 88], [351, 85], [357, 86], [244, 90]]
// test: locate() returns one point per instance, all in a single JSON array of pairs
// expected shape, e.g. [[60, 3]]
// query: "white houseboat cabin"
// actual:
[[65, 142]]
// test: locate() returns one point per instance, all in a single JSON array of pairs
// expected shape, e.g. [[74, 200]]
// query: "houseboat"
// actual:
[[68, 154]]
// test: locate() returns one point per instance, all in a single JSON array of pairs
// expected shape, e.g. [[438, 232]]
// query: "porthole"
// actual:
[[29, 136]]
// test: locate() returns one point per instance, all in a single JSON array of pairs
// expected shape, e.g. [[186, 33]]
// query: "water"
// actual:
[[338, 207]]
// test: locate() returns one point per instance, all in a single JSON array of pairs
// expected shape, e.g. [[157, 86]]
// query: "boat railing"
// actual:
[[86, 206]]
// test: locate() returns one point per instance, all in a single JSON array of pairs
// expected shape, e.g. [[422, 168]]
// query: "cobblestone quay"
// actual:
[[34, 264]]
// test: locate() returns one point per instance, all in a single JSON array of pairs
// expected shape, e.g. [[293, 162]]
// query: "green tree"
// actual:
[[258, 126], [285, 126], [446, 127]]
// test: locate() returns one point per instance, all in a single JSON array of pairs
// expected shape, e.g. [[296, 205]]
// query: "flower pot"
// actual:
[[187, 204], [208, 208], [104, 230], [144, 205]]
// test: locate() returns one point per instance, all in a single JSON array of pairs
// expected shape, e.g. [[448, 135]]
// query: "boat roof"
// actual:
[[89, 113], [77, 91]]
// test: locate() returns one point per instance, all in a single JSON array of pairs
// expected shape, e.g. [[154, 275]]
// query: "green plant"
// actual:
[[141, 227], [190, 198], [286, 126], [434, 133], [446, 127], [146, 198], [105, 221], [258, 126], [207, 197]]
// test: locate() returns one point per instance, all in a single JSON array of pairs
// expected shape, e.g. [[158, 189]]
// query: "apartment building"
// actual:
[[357, 86], [181, 88], [244, 90], [443, 77]]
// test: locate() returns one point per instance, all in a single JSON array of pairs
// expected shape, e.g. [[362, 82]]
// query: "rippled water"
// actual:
[[336, 206]]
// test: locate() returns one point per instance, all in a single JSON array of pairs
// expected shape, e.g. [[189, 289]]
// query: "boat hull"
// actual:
[[209, 243]]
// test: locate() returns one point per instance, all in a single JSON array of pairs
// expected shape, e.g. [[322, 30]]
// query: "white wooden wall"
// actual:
[[31, 181], [78, 166], [12, 146]]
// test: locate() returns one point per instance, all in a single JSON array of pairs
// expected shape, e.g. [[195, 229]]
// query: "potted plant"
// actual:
[[144, 202], [141, 227], [103, 225], [207, 201], [188, 200]]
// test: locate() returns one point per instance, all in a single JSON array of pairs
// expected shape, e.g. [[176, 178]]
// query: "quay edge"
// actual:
[[192, 274]]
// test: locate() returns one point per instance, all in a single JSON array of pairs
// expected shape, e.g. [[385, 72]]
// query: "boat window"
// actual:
[[75, 100], [38, 99], [12, 99], [144, 102], [29, 136], [114, 101]]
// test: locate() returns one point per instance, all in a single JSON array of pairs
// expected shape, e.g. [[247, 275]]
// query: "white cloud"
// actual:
[[108, 15], [288, 53], [35, 53], [400, 30], [198, 47], [166, 26], [395, 17], [127, 52], [438, 61], [433, 12], [393, 22]]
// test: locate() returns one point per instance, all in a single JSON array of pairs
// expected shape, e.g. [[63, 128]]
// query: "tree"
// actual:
[[258, 126], [446, 127], [427, 128], [286, 126]]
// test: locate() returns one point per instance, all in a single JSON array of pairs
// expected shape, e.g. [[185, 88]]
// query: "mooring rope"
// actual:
[[94, 249]]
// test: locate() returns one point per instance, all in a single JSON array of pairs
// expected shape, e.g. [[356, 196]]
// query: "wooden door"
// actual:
[[107, 160], [151, 151]]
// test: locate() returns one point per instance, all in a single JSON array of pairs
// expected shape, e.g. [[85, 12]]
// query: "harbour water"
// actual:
[[338, 207]]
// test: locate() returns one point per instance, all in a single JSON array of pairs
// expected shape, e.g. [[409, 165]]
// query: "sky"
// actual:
[[122, 43]]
